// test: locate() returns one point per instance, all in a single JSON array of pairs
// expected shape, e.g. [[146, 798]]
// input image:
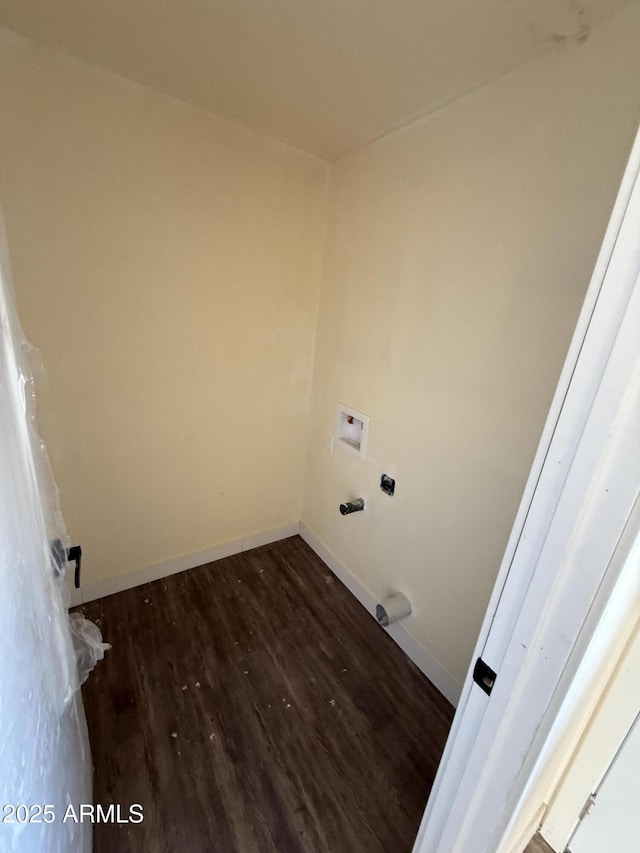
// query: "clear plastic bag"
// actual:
[[87, 644], [44, 746]]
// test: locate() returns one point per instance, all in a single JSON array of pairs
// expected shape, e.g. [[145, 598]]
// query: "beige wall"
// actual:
[[457, 255], [166, 265]]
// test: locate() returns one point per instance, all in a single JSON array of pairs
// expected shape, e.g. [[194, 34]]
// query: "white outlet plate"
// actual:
[[352, 430]]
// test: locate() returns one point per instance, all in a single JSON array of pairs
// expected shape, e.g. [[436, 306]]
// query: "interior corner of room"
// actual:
[[210, 303]]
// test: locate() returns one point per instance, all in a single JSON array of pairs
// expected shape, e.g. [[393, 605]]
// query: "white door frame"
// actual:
[[557, 574], [601, 723], [613, 819]]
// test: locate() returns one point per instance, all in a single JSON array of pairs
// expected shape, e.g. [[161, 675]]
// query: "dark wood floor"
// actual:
[[253, 705]]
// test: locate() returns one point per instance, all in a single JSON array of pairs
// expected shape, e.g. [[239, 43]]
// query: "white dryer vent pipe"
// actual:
[[394, 608]]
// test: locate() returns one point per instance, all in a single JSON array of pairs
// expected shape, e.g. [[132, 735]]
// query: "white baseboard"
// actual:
[[436, 674], [102, 587]]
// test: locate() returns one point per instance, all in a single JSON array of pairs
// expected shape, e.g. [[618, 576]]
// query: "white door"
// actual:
[[613, 822], [604, 720], [557, 572], [45, 764]]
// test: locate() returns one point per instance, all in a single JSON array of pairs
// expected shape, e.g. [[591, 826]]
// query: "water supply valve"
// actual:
[[352, 506]]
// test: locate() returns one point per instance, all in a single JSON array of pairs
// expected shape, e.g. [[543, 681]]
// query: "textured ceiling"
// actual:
[[324, 75]]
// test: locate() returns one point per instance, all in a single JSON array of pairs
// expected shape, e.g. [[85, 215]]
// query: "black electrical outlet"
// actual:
[[387, 484]]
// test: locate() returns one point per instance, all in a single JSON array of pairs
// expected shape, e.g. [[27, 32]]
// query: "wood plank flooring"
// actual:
[[252, 705]]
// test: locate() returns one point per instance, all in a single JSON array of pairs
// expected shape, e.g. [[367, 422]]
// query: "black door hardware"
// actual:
[[484, 676]]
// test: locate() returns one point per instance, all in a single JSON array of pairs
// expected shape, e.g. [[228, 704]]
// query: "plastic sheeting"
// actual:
[[44, 748], [87, 644]]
